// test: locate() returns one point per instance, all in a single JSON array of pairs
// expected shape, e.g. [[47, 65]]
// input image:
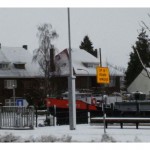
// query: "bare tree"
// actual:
[[145, 26], [144, 67], [45, 54]]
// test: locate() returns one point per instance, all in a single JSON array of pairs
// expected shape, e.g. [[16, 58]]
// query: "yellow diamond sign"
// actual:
[[102, 74]]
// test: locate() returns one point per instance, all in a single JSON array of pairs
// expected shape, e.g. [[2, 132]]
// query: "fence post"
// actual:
[[32, 117], [0, 116], [54, 115], [36, 115], [89, 117]]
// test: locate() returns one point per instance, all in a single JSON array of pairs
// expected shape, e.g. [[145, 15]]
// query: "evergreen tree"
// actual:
[[88, 46], [134, 65]]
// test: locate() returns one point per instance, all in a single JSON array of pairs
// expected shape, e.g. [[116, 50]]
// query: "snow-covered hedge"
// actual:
[[9, 137], [12, 138]]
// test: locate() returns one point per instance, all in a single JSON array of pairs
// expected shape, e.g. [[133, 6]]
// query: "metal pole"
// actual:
[[55, 122], [1, 116], [71, 84], [36, 116], [88, 87], [104, 113], [14, 95]]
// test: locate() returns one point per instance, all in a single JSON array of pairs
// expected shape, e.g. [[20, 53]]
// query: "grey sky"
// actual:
[[114, 30]]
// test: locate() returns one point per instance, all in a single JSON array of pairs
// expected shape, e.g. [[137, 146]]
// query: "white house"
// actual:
[[141, 83], [16, 62], [17, 71], [83, 63], [84, 66]]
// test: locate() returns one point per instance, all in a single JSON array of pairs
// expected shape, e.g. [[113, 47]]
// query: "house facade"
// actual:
[[18, 74], [84, 68]]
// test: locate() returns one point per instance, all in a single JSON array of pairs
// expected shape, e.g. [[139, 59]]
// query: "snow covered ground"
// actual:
[[85, 136], [84, 133]]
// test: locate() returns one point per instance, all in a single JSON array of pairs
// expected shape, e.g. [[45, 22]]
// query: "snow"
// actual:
[[13, 55], [87, 132], [89, 136], [86, 135]]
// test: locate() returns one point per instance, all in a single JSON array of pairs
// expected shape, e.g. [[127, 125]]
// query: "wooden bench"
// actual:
[[120, 120]]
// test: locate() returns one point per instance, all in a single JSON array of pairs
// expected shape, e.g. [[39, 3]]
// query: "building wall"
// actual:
[[23, 86], [141, 83], [81, 83]]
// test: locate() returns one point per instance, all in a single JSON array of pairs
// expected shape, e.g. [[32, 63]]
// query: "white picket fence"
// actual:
[[14, 117]]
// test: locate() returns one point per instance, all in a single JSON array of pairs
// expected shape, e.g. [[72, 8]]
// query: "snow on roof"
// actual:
[[81, 57], [14, 55], [116, 72], [148, 69], [83, 63]]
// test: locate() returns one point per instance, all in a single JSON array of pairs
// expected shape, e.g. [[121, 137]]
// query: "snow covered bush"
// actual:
[[107, 138], [12, 138], [137, 139], [54, 139], [9, 138]]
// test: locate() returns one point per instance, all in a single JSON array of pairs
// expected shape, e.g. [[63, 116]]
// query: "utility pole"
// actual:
[[71, 84]]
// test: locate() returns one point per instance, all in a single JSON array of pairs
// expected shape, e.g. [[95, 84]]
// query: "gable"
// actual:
[[141, 83]]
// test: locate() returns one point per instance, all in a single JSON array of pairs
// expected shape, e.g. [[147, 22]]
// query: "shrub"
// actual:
[[107, 138]]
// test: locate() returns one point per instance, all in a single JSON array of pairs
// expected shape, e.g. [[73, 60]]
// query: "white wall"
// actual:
[[141, 83]]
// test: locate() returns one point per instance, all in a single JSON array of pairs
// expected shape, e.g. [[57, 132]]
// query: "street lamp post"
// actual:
[[71, 84], [87, 77]]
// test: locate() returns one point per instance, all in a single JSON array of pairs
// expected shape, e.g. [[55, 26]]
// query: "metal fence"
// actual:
[[14, 117]]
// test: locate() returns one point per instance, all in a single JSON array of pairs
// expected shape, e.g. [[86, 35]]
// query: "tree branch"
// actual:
[[144, 67], [145, 26]]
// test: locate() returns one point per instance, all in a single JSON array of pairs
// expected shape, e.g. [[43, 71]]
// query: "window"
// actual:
[[4, 65], [9, 102], [91, 65], [19, 65], [10, 84]]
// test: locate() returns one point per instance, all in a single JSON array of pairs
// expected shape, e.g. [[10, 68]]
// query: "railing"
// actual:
[[14, 117], [121, 120]]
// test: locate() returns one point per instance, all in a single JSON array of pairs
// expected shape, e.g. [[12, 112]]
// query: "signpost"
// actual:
[[19, 102], [102, 74]]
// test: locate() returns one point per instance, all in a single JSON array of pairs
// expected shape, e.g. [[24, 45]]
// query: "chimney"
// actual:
[[98, 53], [25, 47], [99, 56]]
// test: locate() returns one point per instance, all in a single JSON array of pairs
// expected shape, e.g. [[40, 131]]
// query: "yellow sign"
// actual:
[[102, 75]]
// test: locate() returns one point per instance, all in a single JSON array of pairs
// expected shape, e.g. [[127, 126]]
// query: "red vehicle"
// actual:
[[84, 101]]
